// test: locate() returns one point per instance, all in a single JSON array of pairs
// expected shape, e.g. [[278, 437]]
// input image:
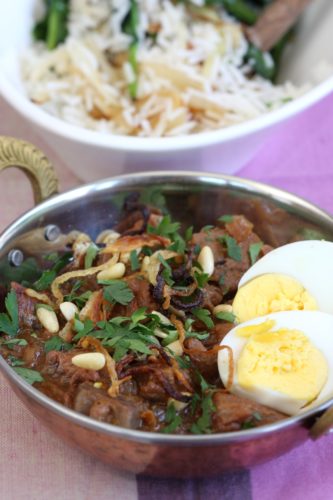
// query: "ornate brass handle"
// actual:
[[33, 162], [323, 425]]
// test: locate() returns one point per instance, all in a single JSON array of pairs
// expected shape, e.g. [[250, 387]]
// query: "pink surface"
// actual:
[[34, 464]]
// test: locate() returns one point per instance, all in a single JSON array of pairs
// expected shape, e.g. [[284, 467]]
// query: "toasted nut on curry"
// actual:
[[48, 319], [222, 308], [206, 260], [68, 310], [89, 360], [112, 273], [176, 348]]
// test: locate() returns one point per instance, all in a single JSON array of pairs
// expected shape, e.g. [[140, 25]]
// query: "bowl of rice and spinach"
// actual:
[[136, 82]]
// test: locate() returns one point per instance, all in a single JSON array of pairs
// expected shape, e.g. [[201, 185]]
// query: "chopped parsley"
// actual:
[[226, 316], [9, 322], [30, 376], [81, 299], [254, 251], [167, 271], [166, 228], [226, 218], [13, 342], [90, 256], [49, 276], [117, 291], [207, 407], [57, 344], [82, 327], [201, 278], [135, 264], [204, 315], [14, 361], [233, 249], [207, 228], [188, 234], [172, 418]]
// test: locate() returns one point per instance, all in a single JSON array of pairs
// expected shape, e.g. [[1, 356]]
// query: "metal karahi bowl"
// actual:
[[192, 198]]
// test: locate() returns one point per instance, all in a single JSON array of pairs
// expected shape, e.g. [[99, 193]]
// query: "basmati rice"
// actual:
[[192, 75]]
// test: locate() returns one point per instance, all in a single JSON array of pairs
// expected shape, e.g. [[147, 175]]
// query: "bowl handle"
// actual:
[[323, 424], [33, 162]]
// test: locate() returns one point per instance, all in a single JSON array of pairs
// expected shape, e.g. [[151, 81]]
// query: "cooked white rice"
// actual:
[[191, 79]]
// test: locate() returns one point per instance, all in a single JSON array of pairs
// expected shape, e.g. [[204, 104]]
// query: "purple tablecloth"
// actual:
[[35, 464]]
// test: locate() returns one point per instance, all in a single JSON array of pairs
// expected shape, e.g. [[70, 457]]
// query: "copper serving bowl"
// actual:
[[192, 198]]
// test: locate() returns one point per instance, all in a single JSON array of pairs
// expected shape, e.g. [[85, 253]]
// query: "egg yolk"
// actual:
[[284, 361], [271, 293]]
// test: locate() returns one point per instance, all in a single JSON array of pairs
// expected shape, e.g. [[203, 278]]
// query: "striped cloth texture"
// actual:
[[34, 464]]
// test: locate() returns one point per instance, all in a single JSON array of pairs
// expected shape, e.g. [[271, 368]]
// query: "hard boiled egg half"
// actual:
[[297, 276], [282, 360]]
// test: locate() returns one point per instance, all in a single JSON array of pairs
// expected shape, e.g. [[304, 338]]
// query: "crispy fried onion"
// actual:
[[159, 374], [215, 350], [151, 265], [180, 328], [162, 378], [169, 296], [41, 297], [81, 245], [129, 243], [80, 273], [93, 307], [113, 391]]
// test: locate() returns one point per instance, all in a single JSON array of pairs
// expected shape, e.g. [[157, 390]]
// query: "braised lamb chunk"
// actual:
[[58, 365], [26, 307], [204, 360], [234, 413], [124, 411]]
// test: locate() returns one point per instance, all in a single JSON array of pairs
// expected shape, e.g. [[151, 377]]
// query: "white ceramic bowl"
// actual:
[[94, 155]]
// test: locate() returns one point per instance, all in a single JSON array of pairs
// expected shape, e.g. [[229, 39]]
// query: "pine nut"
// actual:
[[98, 385], [107, 237], [206, 260], [222, 308], [179, 405], [68, 310], [176, 348], [89, 360], [48, 319], [112, 273]]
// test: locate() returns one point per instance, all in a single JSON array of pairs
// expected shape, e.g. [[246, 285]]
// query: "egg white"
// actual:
[[316, 325], [308, 262]]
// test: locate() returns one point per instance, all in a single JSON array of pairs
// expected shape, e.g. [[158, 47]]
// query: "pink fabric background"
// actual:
[[34, 464]]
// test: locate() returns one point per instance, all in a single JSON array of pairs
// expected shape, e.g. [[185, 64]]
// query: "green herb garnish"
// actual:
[[172, 418], [117, 291], [254, 251], [233, 249], [226, 218], [90, 256], [226, 316], [30, 376], [9, 322], [15, 361], [57, 344], [204, 315], [49, 276], [10, 343], [135, 264]]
